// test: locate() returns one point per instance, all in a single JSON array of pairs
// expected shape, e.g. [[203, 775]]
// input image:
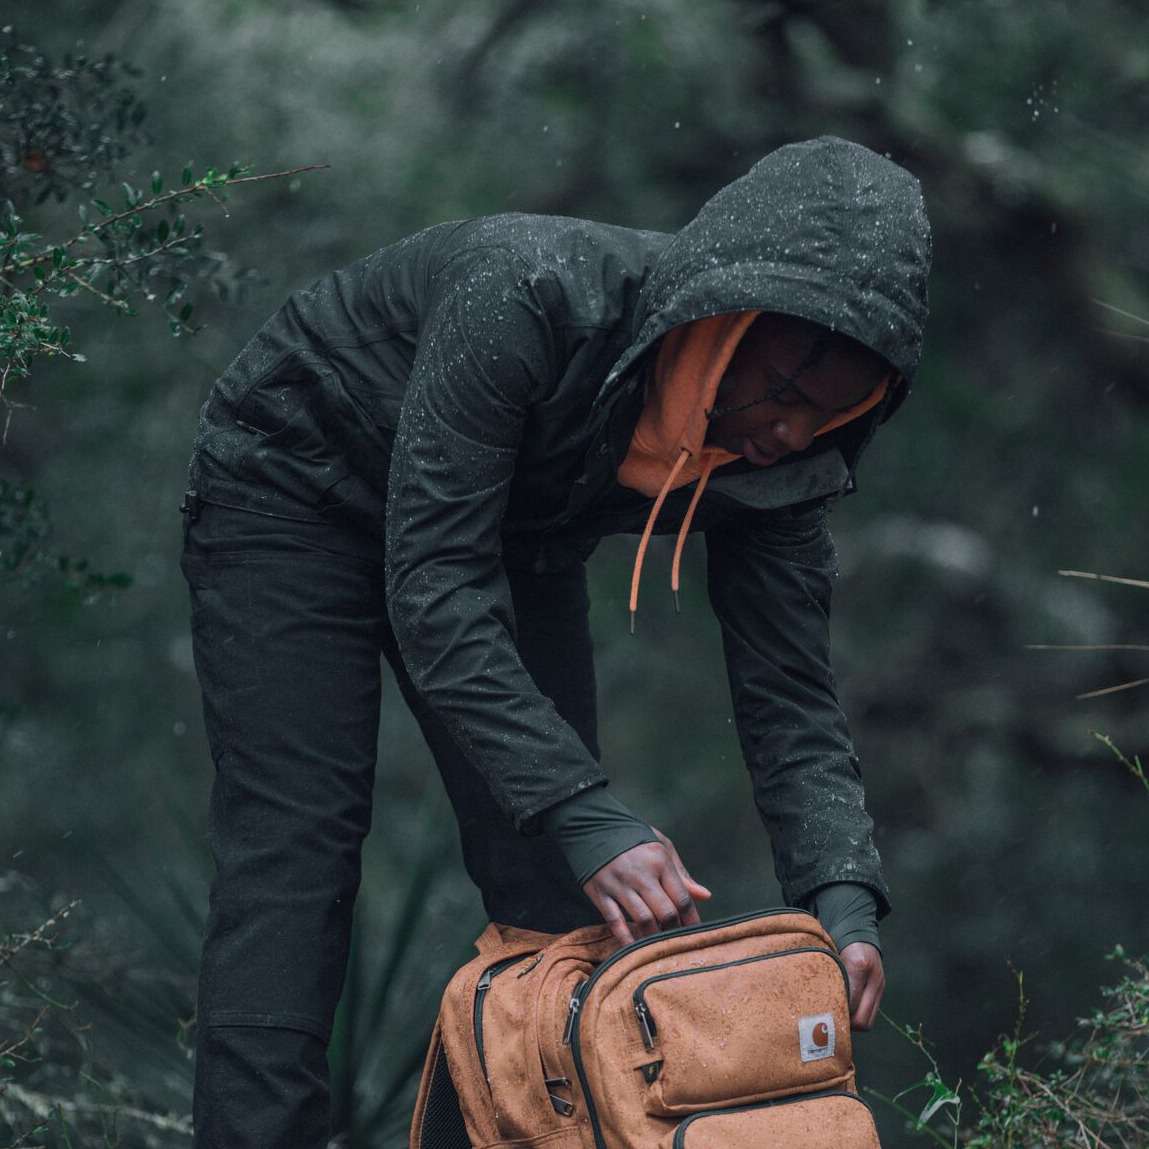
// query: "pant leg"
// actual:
[[524, 881], [287, 631]]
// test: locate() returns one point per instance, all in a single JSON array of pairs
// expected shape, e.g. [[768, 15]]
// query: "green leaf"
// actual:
[[185, 312], [186, 176], [105, 207], [157, 183], [163, 230]]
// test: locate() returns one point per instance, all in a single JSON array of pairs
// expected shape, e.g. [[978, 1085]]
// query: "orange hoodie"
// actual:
[[668, 448]]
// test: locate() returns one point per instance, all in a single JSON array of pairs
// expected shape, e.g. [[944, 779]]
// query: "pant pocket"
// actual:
[[253, 1019]]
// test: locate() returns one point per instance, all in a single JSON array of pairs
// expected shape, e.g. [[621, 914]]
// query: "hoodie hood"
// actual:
[[825, 230]]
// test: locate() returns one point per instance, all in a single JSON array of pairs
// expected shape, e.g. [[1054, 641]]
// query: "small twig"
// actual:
[[8, 952], [1106, 578], [159, 201], [1077, 646], [1113, 689], [100, 261], [278, 175], [1122, 334], [11, 1049], [1122, 312], [1133, 765], [222, 205], [80, 281]]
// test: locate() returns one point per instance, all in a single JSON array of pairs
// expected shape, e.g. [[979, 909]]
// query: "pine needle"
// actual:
[[1114, 689], [1122, 312]]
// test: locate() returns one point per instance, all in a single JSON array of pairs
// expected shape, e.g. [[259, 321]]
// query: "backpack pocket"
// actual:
[[823, 1121], [742, 1031]]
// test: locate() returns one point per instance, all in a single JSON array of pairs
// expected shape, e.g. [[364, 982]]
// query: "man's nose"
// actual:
[[795, 432]]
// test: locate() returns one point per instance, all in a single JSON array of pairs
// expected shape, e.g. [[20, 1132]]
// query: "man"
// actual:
[[415, 457]]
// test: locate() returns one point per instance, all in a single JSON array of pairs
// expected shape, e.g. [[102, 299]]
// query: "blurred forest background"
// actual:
[[1012, 839]]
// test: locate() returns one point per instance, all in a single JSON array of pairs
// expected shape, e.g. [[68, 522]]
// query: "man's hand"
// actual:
[[644, 890], [863, 964]]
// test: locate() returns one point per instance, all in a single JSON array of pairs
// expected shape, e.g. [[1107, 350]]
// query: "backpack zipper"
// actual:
[[585, 987], [481, 988], [679, 1140]]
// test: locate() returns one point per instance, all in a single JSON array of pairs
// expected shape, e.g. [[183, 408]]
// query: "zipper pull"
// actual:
[[484, 982], [646, 1024], [572, 1013]]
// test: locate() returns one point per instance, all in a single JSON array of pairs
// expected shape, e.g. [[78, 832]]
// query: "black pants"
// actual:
[[288, 625]]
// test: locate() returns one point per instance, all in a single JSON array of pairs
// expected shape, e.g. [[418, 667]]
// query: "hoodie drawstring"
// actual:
[[684, 530], [707, 466], [644, 542]]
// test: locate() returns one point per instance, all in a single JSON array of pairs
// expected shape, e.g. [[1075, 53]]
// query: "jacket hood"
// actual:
[[825, 230]]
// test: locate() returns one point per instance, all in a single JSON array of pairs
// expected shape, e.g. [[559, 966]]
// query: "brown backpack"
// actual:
[[724, 1035]]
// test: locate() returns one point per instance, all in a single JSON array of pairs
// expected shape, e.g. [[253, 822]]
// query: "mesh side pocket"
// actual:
[[441, 1125]]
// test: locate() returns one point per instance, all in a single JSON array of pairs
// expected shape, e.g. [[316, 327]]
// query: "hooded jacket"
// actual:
[[468, 395]]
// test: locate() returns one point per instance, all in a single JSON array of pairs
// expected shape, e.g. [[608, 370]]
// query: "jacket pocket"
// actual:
[[824, 1121], [743, 1031]]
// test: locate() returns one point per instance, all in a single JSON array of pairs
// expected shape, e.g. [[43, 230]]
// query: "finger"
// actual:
[[867, 983], [642, 920], [678, 892], [857, 980], [870, 1002], [611, 914], [696, 889], [666, 898]]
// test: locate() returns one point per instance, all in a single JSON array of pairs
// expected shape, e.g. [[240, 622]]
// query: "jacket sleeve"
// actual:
[[769, 578], [484, 356]]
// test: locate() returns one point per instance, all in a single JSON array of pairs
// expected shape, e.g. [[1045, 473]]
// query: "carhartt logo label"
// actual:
[[816, 1036]]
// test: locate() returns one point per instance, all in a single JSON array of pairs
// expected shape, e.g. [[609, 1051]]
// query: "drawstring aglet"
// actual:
[[633, 613], [677, 605]]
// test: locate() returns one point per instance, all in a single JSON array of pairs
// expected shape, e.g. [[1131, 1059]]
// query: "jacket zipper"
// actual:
[[481, 988], [679, 1140], [571, 1035], [646, 1020]]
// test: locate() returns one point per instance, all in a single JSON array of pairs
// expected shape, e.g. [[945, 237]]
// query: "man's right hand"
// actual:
[[645, 889]]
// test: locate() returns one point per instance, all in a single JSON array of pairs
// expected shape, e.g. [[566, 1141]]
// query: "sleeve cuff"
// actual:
[[592, 828], [848, 912]]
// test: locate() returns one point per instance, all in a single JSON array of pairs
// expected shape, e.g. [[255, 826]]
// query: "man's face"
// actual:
[[786, 380]]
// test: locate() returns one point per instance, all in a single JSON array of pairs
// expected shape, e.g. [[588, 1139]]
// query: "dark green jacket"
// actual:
[[484, 378]]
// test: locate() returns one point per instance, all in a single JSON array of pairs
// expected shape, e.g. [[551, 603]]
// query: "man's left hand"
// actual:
[[863, 964]]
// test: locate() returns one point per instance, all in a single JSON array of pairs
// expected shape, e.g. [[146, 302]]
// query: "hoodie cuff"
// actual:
[[848, 912], [592, 828]]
